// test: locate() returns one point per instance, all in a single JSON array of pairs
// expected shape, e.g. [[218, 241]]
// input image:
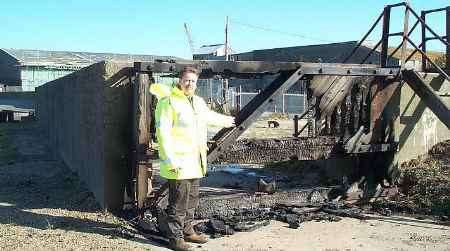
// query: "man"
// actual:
[[181, 120]]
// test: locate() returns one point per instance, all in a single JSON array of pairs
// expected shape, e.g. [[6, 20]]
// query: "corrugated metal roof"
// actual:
[[64, 58]]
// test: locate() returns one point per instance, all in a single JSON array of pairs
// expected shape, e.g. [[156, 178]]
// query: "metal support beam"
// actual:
[[424, 41], [447, 15], [428, 96], [250, 69], [363, 39], [385, 36], [401, 44], [442, 72], [252, 111], [434, 10]]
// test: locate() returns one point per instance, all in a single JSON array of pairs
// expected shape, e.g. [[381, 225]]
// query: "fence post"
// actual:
[[296, 119]]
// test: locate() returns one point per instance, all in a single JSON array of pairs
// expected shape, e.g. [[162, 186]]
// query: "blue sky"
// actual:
[[156, 27]]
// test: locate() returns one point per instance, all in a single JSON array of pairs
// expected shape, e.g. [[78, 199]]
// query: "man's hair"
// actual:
[[189, 69]]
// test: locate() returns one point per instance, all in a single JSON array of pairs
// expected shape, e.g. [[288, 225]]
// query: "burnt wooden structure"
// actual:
[[345, 101]]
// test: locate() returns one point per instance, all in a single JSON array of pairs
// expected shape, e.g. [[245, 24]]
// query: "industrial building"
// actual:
[[24, 70], [211, 52]]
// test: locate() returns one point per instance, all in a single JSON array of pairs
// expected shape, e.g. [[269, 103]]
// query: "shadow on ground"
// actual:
[[39, 191]]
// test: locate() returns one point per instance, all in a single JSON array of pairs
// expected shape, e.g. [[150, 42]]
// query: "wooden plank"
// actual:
[[142, 101], [428, 96]]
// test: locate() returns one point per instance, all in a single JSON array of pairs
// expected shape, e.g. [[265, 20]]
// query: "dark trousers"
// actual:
[[183, 200]]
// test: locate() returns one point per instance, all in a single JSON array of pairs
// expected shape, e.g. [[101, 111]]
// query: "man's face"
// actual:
[[188, 83]]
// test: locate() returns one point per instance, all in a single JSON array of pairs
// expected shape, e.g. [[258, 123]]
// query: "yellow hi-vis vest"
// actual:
[[182, 134]]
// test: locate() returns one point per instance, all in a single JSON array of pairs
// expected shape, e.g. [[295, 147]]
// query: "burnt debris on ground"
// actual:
[[248, 212], [246, 199], [424, 185], [252, 197]]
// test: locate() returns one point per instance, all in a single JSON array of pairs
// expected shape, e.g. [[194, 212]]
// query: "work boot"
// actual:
[[195, 238], [179, 245]]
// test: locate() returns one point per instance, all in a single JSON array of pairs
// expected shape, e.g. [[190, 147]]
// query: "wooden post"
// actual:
[[142, 102], [296, 119], [225, 84], [238, 100], [405, 35]]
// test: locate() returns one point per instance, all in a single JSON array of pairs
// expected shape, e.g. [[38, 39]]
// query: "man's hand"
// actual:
[[174, 169], [230, 122]]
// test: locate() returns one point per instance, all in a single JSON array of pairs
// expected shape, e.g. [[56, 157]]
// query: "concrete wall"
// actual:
[[418, 129], [86, 116], [25, 100]]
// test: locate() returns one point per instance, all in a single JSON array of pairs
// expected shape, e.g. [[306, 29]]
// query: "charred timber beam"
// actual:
[[376, 148], [252, 111], [261, 151], [141, 137], [249, 69]]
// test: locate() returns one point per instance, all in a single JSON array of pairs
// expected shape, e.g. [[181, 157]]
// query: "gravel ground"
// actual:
[[43, 206]]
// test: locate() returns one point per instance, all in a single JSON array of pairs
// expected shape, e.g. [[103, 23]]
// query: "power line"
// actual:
[[281, 32]]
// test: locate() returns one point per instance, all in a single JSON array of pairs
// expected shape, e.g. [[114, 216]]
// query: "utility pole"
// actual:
[[225, 81], [226, 39]]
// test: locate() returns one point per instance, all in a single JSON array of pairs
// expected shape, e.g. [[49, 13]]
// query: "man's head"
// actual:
[[188, 80]]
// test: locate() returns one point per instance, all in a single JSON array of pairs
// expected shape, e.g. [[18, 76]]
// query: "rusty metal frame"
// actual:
[[252, 69], [288, 74], [384, 41]]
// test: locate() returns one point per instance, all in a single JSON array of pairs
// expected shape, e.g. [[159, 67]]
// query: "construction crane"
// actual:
[[189, 37]]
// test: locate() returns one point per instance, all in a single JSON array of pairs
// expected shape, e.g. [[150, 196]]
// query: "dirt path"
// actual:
[[43, 206]]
